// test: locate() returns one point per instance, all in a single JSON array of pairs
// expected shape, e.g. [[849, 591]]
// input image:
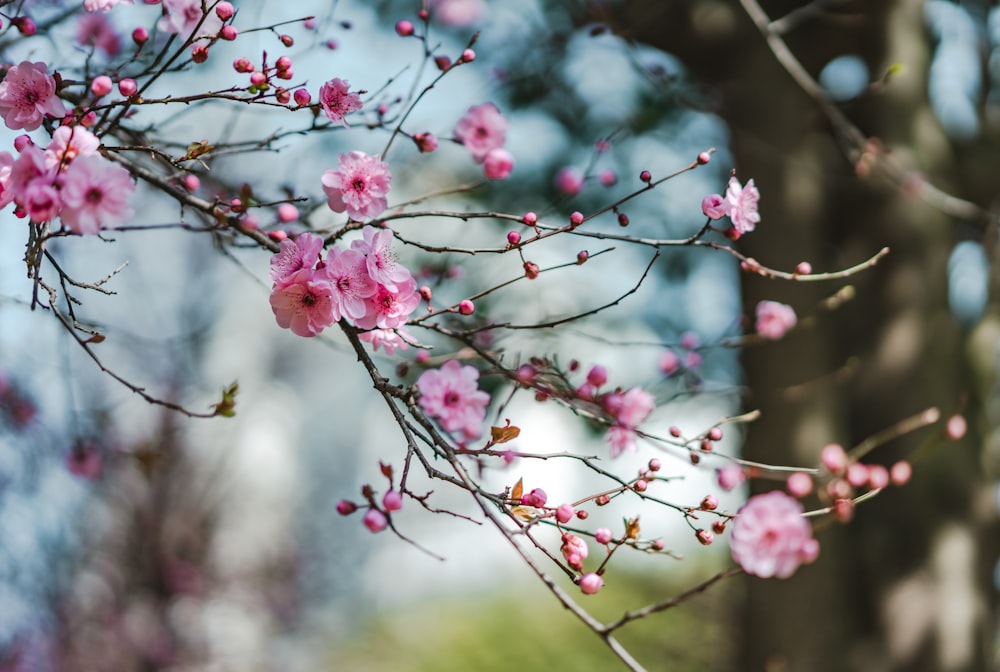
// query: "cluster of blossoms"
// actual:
[[739, 204], [451, 395], [483, 131], [363, 285], [628, 409]]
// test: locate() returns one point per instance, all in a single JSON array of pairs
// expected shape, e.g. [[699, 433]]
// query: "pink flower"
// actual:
[[375, 520], [102, 5], [95, 194], [770, 537], [774, 319], [458, 13], [575, 550], [590, 583], [381, 263], [390, 339], [714, 206], [337, 101], [303, 303], [40, 200], [94, 30], [387, 309], [69, 142], [294, 255], [183, 16], [6, 169], [569, 181], [27, 94], [742, 205], [349, 282], [482, 129], [452, 396], [620, 439], [636, 406], [730, 476], [359, 185], [498, 164]]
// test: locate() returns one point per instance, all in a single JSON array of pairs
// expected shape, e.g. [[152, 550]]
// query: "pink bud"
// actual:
[[705, 538], [703, 158], [531, 270], [242, 64], [468, 56], [257, 78], [513, 237], [804, 268], [857, 474], [283, 63], [199, 54], [576, 218], [392, 500], [101, 86], [569, 181], [622, 219], [228, 33], [530, 218], [191, 182], [346, 508], [25, 25], [127, 87], [536, 498], [692, 360], [956, 427], [301, 97], [140, 36], [375, 520], [443, 63], [646, 176], [404, 28], [89, 119], [878, 477], [602, 500], [287, 213], [564, 513], [590, 583], [640, 486], [602, 535], [288, 41], [730, 476], [597, 376], [715, 434], [670, 363], [799, 484], [498, 165], [426, 142], [833, 458], [900, 473], [525, 374], [582, 256], [608, 178], [425, 293], [224, 10], [675, 432], [466, 307], [714, 206], [843, 509], [709, 503], [719, 526]]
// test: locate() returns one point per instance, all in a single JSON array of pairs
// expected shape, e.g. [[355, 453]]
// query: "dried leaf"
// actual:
[[96, 338], [504, 434], [632, 528], [518, 490], [525, 513]]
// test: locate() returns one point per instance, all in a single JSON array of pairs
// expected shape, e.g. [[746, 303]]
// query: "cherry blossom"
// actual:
[[95, 194], [482, 129], [294, 255], [498, 164], [27, 94], [714, 206], [94, 30], [183, 16], [458, 13], [6, 168], [452, 396], [303, 303], [389, 339], [69, 142], [358, 186], [381, 263], [388, 309], [338, 101], [569, 181], [630, 410], [350, 283], [742, 205], [774, 319], [103, 5], [770, 537], [40, 200]]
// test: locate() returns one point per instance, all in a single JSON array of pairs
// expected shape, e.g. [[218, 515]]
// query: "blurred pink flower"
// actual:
[[498, 165], [359, 186], [27, 94], [482, 129], [452, 396], [183, 16], [770, 537], [102, 5], [774, 319], [458, 13], [94, 30], [569, 181], [389, 339], [95, 194]]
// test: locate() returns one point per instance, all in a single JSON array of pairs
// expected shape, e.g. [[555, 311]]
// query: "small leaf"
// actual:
[[632, 528], [504, 434], [227, 407], [386, 470], [518, 490]]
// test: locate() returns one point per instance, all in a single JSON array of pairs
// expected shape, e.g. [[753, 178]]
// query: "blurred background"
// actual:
[[133, 538]]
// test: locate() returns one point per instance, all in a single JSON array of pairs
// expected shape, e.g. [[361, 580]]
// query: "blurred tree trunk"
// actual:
[[905, 586]]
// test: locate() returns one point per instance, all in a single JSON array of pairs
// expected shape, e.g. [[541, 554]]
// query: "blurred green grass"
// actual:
[[525, 629]]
